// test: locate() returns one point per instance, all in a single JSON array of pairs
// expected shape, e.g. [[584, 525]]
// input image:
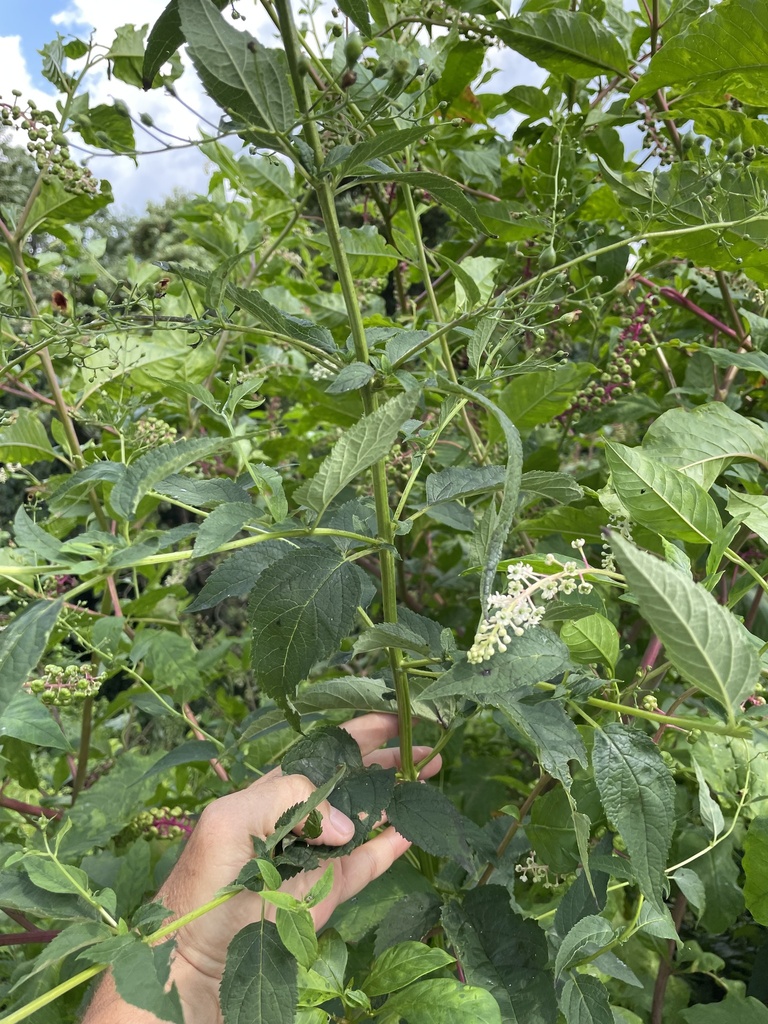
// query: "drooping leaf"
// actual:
[[350, 378], [662, 499], [390, 634], [584, 1000], [735, 1007], [25, 718], [445, 191], [410, 919], [752, 510], [299, 615], [502, 952], [755, 867], [565, 42], [191, 752], [400, 965], [539, 396], [222, 525], [154, 467], [637, 791], [455, 482], [259, 985], [164, 40], [237, 71], [22, 644], [429, 819], [353, 158], [583, 941], [709, 809], [706, 644], [723, 51], [558, 487], [369, 440]]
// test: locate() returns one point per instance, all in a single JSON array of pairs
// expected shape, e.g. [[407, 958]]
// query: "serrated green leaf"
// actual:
[[502, 952], [360, 155], [23, 643], [237, 71], [164, 40], [723, 51], [299, 615], [455, 482], [259, 985], [154, 467], [238, 574], [402, 964], [390, 634], [29, 535], [637, 791], [222, 525], [351, 378], [590, 639], [565, 42], [584, 1000], [558, 487], [706, 644], [429, 819], [358, 448], [442, 1001], [750, 509], [660, 498], [583, 941], [443, 189], [140, 973]]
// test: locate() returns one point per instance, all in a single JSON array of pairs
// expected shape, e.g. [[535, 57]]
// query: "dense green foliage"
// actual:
[[414, 412]]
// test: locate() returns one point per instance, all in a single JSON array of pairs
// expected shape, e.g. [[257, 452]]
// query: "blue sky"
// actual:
[[32, 21]]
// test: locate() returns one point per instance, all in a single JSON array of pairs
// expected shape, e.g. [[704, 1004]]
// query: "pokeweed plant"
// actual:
[[441, 402]]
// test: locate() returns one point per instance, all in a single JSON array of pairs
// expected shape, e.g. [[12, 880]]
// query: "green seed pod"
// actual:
[[688, 141], [353, 49], [734, 146], [400, 67], [336, 31], [147, 120], [547, 257], [100, 298]]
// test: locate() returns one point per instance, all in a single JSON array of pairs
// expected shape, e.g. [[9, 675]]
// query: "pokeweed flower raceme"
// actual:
[[513, 612]]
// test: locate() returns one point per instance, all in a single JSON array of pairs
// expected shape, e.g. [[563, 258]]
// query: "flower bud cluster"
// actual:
[[64, 685], [7, 471], [516, 610], [538, 872], [161, 823], [47, 145], [151, 431]]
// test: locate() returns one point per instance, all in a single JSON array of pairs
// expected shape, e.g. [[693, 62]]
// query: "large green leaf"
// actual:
[[140, 973], [703, 441], [565, 42], [429, 819], [755, 867], [237, 71], [734, 1008], [703, 640], [299, 615], [56, 207], [25, 718], [367, 253], [23, 439], [154, 467], [592, 638], [584, 1000], [582, 942], [751, 509], [442, 1001], [23, 643], [660, 498], [637, 791], [402, 964], [724, 51], [369, 440], [237, 575], [165, 39], [504, 953], [539, 396], [455, 482]]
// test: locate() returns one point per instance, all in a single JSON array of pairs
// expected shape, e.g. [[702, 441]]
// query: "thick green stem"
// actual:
[[322, 185]]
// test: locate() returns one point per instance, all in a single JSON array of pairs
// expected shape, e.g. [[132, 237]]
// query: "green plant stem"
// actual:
[[537, 790], [657, 717], [85, 745], [435, 310], [24, 1014], [326, 199], [750, 569], [726, 834]]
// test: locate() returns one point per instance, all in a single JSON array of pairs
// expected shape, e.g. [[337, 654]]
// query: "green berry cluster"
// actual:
[[160, 823], [151, 432], [65, 685], [48, 145]]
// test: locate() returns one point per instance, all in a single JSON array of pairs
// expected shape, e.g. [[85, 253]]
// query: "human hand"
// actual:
[[221, 845]]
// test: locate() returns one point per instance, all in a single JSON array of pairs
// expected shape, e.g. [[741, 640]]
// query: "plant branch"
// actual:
[[525, 807]]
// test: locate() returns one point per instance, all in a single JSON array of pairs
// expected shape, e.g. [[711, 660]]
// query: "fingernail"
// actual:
[[341, 823]]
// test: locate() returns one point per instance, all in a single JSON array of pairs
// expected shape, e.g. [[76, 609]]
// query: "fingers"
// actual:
[[369, 861], [372, 731], [390, 758]]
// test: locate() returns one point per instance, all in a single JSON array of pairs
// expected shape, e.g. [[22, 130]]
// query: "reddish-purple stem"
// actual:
[[23, 938], [652, 652], [32, 809], [682, 300]]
